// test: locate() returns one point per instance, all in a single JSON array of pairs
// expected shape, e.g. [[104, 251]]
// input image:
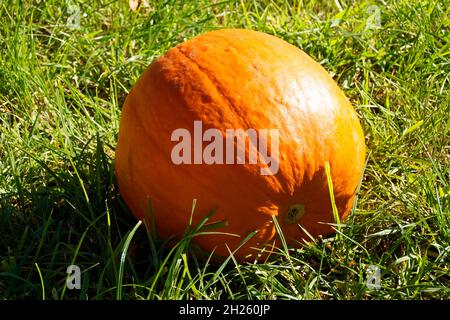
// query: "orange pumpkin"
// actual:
[[240, 79]]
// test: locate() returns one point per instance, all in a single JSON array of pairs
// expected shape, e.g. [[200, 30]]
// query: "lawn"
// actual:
[[65, 70]]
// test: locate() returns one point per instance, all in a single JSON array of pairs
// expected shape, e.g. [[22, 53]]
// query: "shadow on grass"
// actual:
[[73, 216]]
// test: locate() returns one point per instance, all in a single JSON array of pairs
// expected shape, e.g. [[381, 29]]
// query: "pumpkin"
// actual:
[[239, 79]]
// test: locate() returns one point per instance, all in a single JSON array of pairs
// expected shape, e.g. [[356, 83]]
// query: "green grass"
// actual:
[[61, 92]]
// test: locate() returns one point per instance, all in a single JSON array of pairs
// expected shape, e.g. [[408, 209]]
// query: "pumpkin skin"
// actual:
[[231, 79]]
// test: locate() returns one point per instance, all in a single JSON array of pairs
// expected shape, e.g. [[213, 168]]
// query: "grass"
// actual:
[[61, 91]]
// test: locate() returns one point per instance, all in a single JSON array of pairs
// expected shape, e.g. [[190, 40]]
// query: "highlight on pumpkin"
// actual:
[[231, 149]]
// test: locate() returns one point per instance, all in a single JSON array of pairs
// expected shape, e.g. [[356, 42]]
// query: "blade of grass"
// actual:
[[122, 260], [337, 219], [41, 279]]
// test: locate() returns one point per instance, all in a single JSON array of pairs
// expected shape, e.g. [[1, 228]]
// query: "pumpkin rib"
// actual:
[[219, 89], [281, 187], [217, 86], [269, 194], [197, 70]]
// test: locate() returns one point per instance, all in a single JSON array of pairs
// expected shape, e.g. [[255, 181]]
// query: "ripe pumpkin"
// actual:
[[235, 78]]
